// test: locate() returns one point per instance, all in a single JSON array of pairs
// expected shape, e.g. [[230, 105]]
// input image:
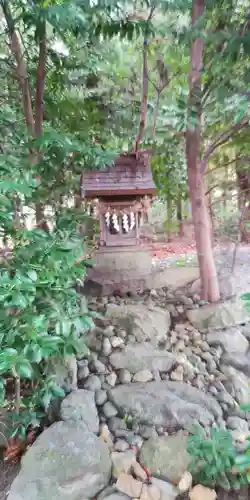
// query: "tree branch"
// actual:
[[20, 68], [222, 139], [145, 81], [230, 162], [40, 80], [144, 103]]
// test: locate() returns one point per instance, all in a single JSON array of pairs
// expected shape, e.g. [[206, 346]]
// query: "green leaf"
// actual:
[[18, 300], [32, 275], [57, 391], [24, 369], [46, 400], [5, 366]]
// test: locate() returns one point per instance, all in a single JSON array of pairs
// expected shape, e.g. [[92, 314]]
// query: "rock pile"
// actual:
[[157, 364]]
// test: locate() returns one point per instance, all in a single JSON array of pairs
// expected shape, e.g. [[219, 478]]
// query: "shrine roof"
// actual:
[[129, 175]]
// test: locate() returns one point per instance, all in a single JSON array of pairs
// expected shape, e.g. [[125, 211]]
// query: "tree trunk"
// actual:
[[180, 217], [202, 225], [170, 218], [243, 182], [144, 102]]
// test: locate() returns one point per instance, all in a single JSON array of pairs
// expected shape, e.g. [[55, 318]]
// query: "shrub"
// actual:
[[242, 460], [41, 313], [213, 458]]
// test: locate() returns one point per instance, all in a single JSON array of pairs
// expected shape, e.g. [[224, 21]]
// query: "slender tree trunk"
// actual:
[[170, 217], [243, 182], [21, 70], [144, 102], [40, 82], [202, 225], [157, 103], [33, 125], [180, 217]]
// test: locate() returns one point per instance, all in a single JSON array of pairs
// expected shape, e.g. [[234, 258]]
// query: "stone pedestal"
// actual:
[[120, 270]]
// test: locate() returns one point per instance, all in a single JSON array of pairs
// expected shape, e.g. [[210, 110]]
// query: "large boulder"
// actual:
[[145, 323], [237, 360], [66, 461], [80, 405], [172, 405], [218, 316], [142, 357], [230, 339], [166, 457], [226, 287], [237, 384]]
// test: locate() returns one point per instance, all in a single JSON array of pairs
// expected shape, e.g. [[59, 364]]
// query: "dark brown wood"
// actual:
[[130, 175]]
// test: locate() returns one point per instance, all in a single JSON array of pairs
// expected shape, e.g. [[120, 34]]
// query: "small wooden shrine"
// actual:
[[120, 195]]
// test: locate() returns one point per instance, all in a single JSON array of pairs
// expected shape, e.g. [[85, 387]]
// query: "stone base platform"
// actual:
[[130, 270]]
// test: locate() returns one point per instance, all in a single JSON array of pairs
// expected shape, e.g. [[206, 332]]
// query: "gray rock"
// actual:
[[111, 379], [168, 491], [225, 286], [83, 372], [117, 342], [188, 370], [140, 321], [131, 339], [180, 345], [237, 384], [101, 397], [121, 445], [213, 390], [142, 357], [186, 301], [177, 374], [148, 432], [156, 375], [218, 316], [143, 376], [207, 356], [109, 331], [109, 410], [93, 340], [166, 457], [230, 339], [116, 496], [65, 371], [99, 367], [116, 423], [122, 462], [125, 376], [211, 366], [122, 333], [65, 461], [236, 423], [109, 490], [170, 404], [93, 383], [106, 347], [80, 406], [245, 330], [239, 361], [226, 398]]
